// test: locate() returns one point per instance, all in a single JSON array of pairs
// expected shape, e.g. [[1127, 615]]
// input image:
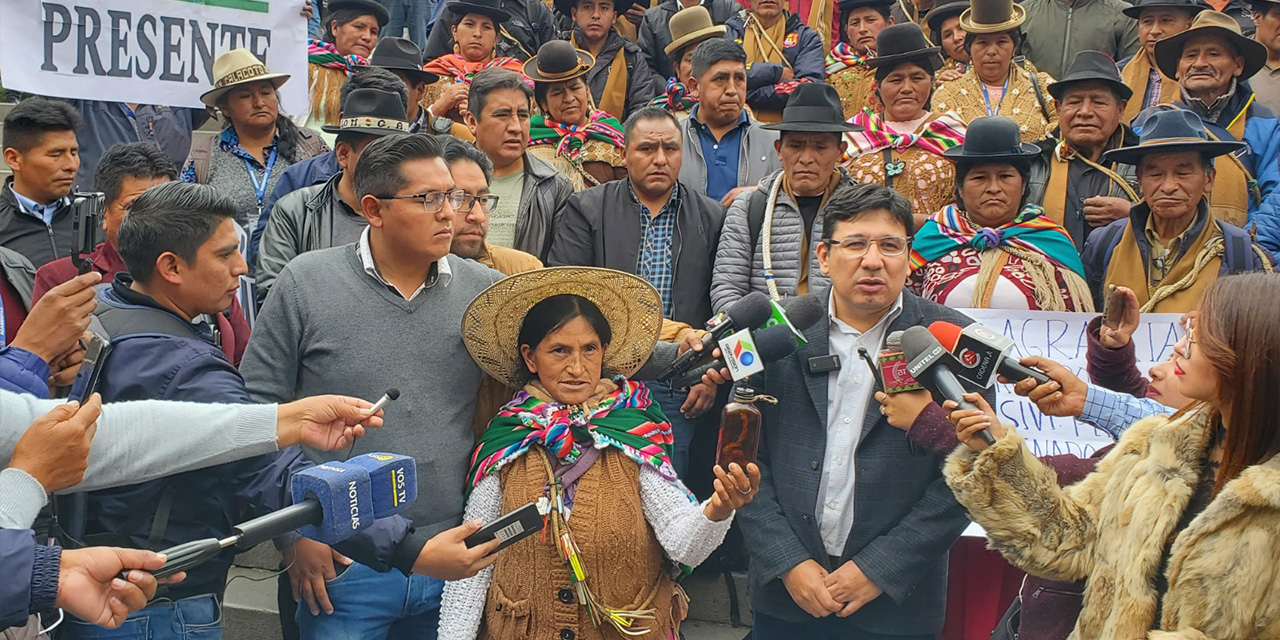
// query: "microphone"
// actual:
[[391, 395], [332, 502], [798, 313], [927, 363], [982, 354], [745, 354], [893, 366], [752, 310]]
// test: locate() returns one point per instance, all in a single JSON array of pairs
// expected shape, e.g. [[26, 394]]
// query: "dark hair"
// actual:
[[884, 11], [550, 314], [375, 78], [1262, 6], [26, 124], [852, 201], [378, 172], [288, 135], [456, 150], [489, 80], [1016, 34], [883, 71], [353, 139], [174, 217], [459, 17], [341, 16], [1023, 167], [138, 160], [714, 51], [540, 92], [645, 114]]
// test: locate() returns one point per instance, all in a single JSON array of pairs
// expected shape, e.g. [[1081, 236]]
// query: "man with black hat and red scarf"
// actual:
[[621, 80]]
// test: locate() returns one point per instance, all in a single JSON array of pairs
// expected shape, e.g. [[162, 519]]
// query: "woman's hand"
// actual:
[[947, 75], [902, 409], [1063, 396], [970, 421], [1119, 335], [450, 99], [733, 490]]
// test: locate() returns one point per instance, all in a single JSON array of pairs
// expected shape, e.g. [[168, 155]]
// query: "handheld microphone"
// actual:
[[752, 310], [982, 354], [745, 354], [798, 313], [893, 366], [927, 363], [391, 395]]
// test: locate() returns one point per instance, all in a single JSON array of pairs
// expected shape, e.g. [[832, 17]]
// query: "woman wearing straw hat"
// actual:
[[257, 142], [350, 34], [901, 145], [995, 84], [689, 28], [475, 29], [584, 143], [588, 444]]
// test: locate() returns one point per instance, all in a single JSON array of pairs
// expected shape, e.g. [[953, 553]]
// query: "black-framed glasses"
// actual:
[[433, 201], [487, 202], [857, 246]]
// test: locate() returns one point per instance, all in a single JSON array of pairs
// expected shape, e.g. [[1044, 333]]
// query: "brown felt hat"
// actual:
[[692, 26], [992, 16], [1212, 23]]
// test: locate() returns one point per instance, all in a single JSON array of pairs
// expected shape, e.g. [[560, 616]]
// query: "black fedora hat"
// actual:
[[491, 8], [849, 5], [1212, 23], [401, 54], [1092, 66], [558, 61], [905, 42], [1194, 6], [371, 7], [565, 7], [992, 139], [814, 107], [1172, 131], [942, 10], [372, 112]]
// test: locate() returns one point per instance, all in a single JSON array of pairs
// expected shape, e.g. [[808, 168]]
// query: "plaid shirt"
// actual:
[[1114, 412], [657, 233]]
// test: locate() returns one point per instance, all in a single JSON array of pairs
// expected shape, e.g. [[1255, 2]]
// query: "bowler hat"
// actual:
[[992, 139], [373, 112], [1211, 23], [849, 5], [491, 8], [1194, 6], [814, 107], [942, 10], [1092, 66], [238, 67], [904, 42], [992, 16], [1172, 131], [691, 26], [371, 7], [565, 7], [558, 61], [401, 54]]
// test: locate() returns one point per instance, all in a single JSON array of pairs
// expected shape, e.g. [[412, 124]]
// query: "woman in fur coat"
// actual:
[[1177, 532]]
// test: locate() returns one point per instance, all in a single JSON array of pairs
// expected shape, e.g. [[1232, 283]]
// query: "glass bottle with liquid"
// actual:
[[739, 430]]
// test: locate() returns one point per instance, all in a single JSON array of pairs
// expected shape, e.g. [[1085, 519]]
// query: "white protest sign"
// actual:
[[147, 51]]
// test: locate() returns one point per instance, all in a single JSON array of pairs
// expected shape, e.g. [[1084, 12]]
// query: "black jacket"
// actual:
[[642, 83], [300, 222], [655, 32], [28, 235], [532, 24], [601, 228]]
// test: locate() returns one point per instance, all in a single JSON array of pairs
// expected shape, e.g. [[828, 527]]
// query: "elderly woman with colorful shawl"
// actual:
[[689, 28], [992, 250], [350, 34], [901, 146], [475, 28], [593, 451], [584, 143], [847, 69]]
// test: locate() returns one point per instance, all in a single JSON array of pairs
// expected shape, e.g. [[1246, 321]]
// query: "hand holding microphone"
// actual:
[[977, 427], [928, 363]]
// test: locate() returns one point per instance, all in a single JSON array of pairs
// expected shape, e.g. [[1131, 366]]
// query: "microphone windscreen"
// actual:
[[804, 312], [917, 341], [774, 343], [894, 340], [948, 334], [343, 492], [394, 479], [393, 393], [750, 311]]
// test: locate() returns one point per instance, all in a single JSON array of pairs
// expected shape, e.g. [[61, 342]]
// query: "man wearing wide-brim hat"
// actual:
[[1171, 248], [620, 80], [1213, 62], [689, 28], [403, 58], [1075, 186], [1157, 19], [1266, 18], [770, 235], [1057, 29], [327, 215], [860, 23], [782, 52]]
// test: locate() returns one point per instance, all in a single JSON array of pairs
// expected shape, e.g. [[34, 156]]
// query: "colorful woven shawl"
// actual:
[[942, 133], [457, 67], [675, 97], [627, 419], [326, 55], [570, 138], [949, 230], [842, 56]]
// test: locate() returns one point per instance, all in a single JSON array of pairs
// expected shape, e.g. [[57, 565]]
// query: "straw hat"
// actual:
[[491, 323], [1212, 23], [238, 67], [692, 26], [992, 16], [558, 61]]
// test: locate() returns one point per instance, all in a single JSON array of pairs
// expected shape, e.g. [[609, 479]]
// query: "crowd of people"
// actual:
[[521, 213]]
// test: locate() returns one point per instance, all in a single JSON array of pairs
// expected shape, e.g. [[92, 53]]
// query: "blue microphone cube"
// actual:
[[344, 493], [395, 481]]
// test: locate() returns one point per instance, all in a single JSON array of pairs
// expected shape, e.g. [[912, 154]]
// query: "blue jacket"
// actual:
[[30, 583], [23, 372], [802, 49], [312, 171]]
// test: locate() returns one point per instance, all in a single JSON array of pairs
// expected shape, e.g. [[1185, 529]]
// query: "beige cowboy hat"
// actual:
[[1212, 23], [692, 26], [238, 67], [491, 323], [992, 16]]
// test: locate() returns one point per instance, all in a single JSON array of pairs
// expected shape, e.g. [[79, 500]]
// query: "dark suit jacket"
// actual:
[[906, 518]]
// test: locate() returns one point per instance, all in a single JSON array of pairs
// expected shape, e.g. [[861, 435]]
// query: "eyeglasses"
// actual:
[[857, 246], [459, 200]]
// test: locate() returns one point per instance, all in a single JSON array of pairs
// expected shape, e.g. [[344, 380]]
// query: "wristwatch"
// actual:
[[438, 124]]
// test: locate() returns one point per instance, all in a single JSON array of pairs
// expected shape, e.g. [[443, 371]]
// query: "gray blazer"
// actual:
[[906, 518], [756, 157]]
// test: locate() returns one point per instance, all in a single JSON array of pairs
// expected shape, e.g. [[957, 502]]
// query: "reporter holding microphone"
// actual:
[[1177, 532]]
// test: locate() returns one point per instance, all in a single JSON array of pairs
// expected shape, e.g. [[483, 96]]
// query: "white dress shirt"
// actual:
[[849, 391], [439, 273]]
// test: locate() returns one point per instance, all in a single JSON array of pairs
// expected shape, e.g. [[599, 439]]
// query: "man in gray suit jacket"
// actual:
[[849, 534]]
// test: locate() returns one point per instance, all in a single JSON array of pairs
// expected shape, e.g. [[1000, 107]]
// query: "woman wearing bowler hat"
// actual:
[[476, 28], [861, 22], [350, 33], [584, 143]]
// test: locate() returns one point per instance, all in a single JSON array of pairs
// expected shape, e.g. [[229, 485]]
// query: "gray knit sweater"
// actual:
[[329, 327]]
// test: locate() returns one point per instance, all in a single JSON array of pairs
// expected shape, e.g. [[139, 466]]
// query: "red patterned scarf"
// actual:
[[842, 56], [460, 69], [326, 55], [570, 138], [942, 133]]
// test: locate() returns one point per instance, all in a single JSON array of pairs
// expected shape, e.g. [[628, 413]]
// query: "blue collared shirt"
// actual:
[[722, 155], [1114, 412], [43, 211], [654, 262]]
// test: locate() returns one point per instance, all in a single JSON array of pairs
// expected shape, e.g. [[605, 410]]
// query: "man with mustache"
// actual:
[[1213, 62], [1157, 19], [40, 147], [621, 80], [781, 54]]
